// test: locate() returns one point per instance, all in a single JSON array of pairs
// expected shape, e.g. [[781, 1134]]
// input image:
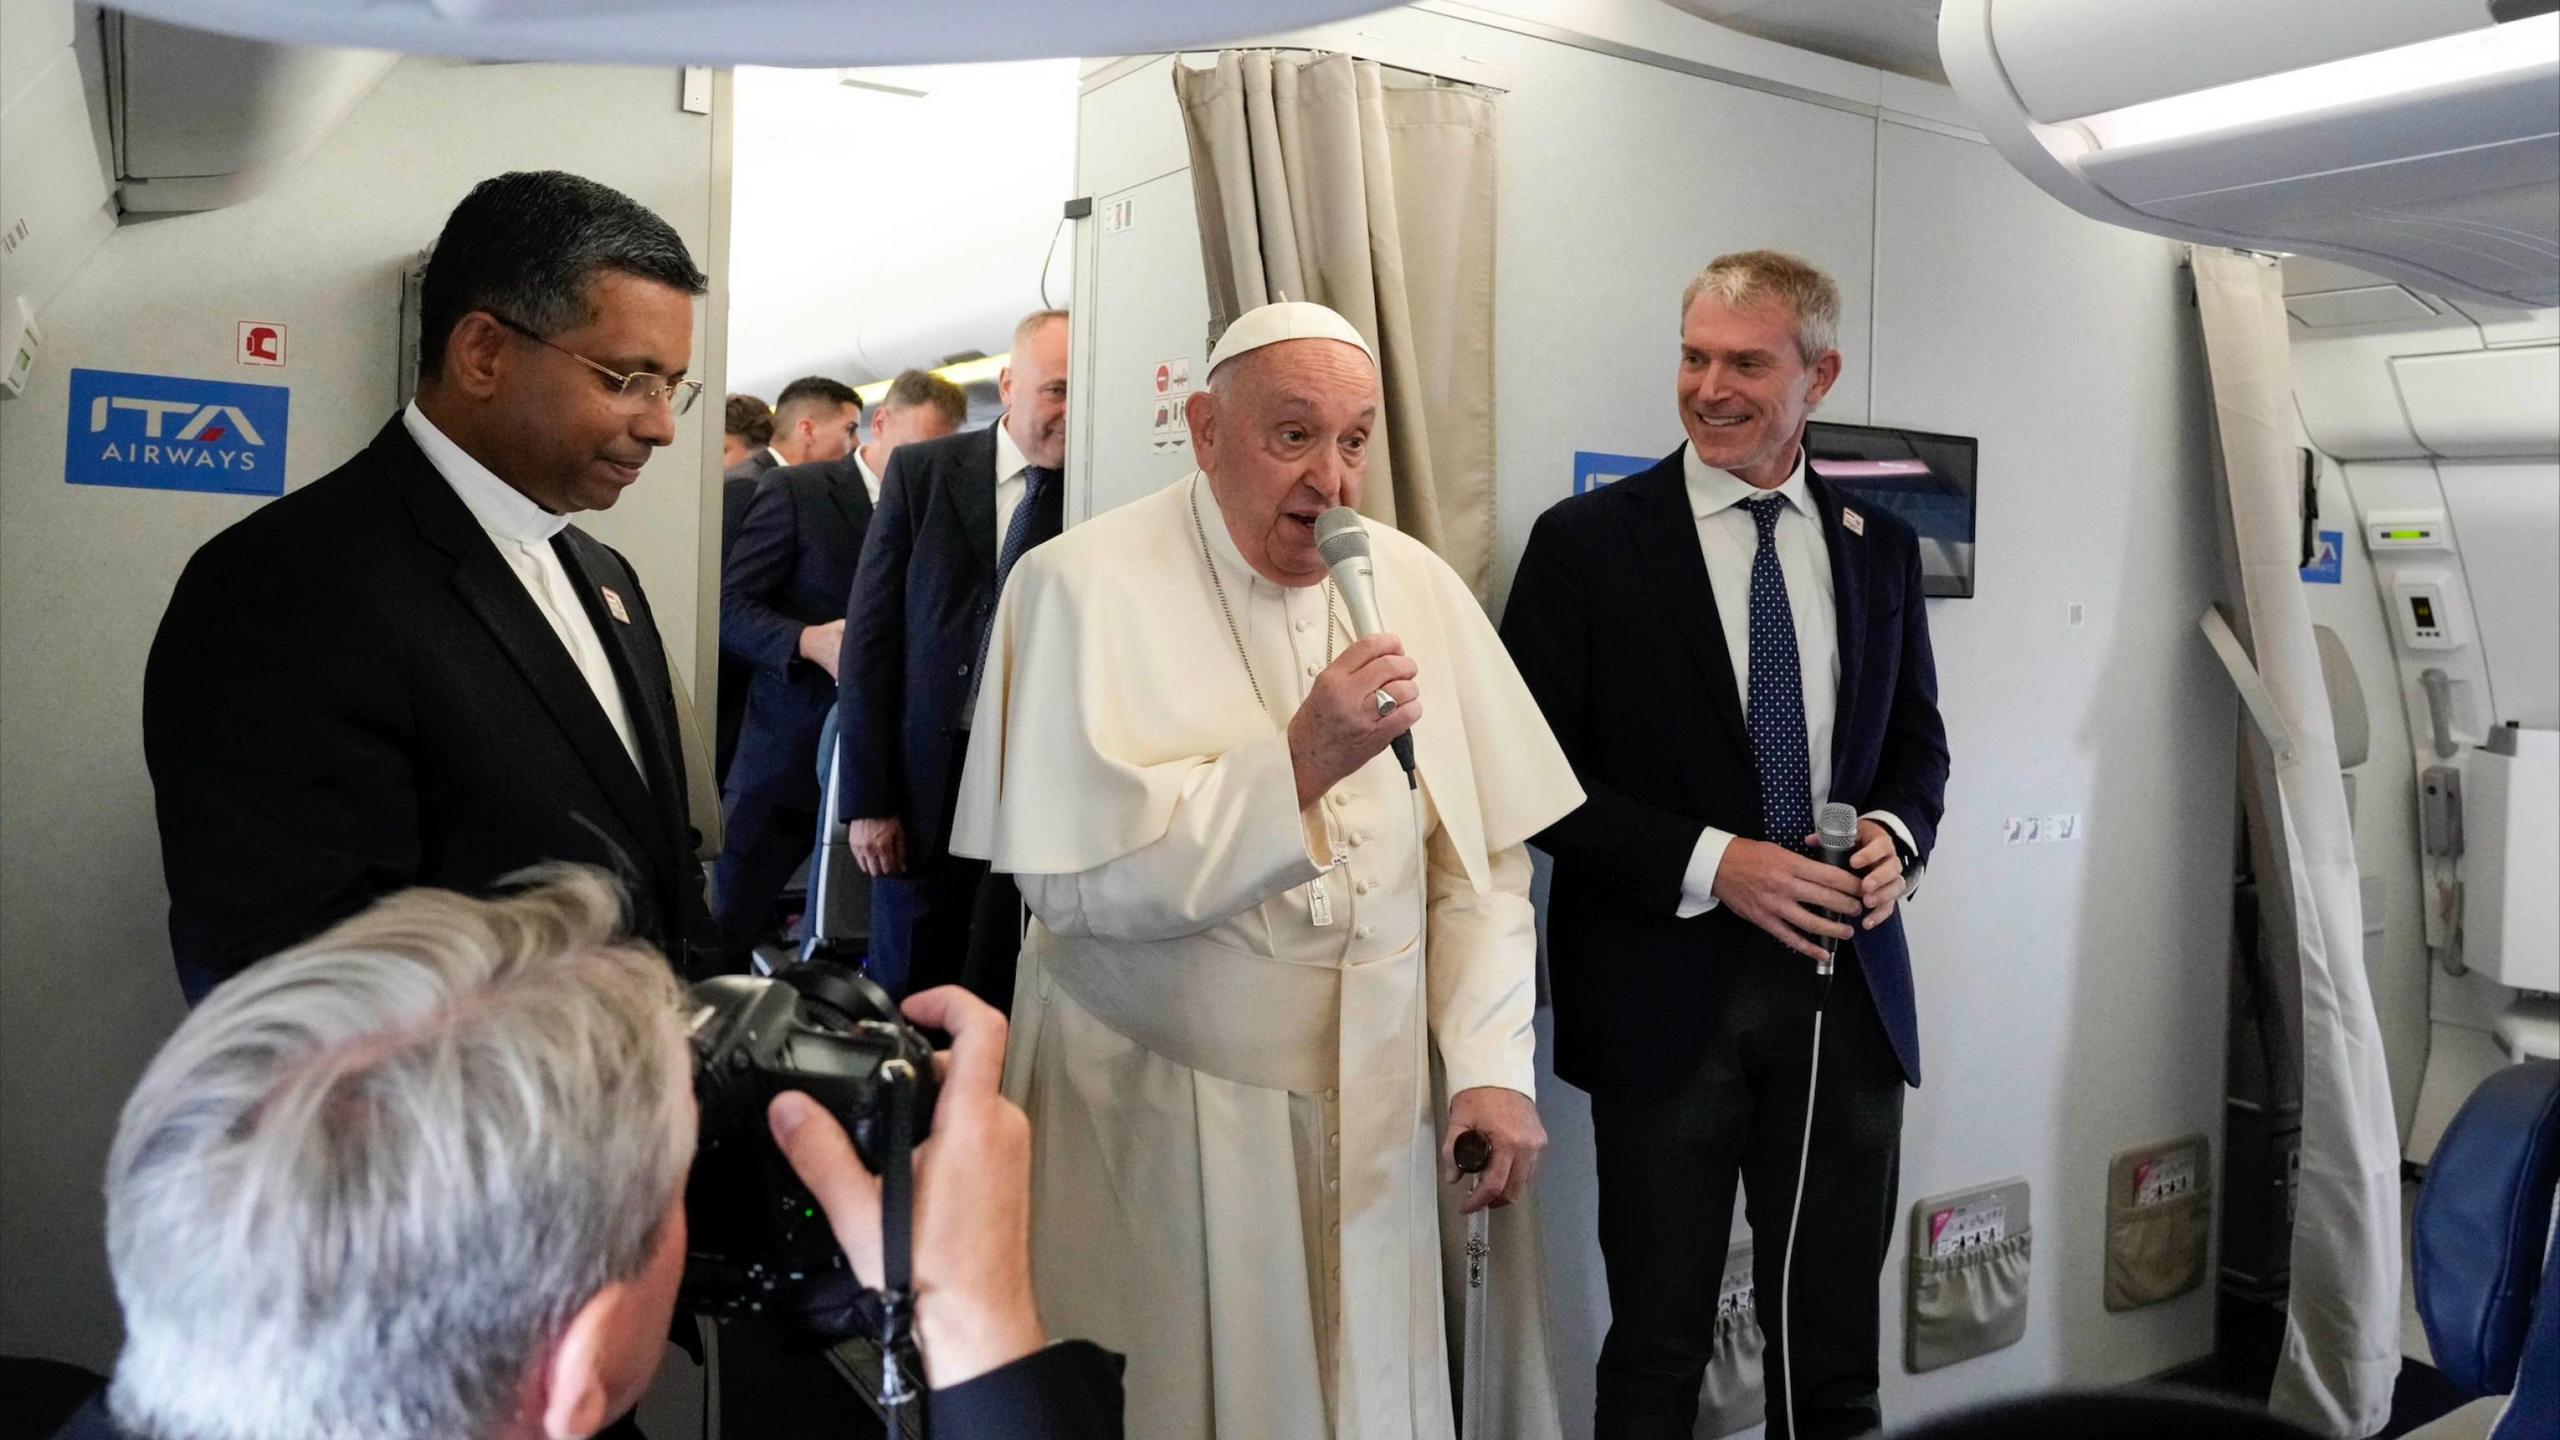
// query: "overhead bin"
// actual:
[[2418, 140]]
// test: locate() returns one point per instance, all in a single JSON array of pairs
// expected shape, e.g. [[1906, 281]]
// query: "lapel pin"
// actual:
[[613, 603], [1850, 520]]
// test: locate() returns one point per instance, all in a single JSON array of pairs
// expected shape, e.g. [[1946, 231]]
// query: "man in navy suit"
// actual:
[[954, 515], [782, 599], [814, 420], [1722, 643]]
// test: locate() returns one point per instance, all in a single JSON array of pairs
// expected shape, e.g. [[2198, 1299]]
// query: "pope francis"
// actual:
[[1252, 935]]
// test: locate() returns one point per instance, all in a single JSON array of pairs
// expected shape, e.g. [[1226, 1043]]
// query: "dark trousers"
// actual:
[[762, 843], [948, 921], [1667, 1171]]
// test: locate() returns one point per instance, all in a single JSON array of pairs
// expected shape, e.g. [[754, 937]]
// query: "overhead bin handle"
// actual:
[[2252, 686]]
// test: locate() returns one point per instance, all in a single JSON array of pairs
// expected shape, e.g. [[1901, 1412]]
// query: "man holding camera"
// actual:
[[422, 1179]]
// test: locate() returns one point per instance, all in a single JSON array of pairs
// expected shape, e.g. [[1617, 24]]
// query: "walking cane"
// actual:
[[1473, 1152]]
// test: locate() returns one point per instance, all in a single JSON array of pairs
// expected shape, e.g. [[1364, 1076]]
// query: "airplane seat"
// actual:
[[2487, 1282], [2346, 708]]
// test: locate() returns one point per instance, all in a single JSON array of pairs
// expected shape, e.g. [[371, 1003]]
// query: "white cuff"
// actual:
[[1911, 872], [1698, 884]]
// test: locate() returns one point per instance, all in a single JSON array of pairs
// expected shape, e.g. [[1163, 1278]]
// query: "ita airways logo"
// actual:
[[167, 432]]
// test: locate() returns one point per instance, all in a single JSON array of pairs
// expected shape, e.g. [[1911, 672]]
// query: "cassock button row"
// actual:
[[1303, 624], [1365, 886], [1311, 669], [1359, 932]]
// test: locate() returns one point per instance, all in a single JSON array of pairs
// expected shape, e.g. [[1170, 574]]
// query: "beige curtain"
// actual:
[[1368, 189], [2342, 1326]]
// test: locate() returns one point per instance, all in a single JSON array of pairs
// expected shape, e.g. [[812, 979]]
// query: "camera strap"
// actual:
[[897, 1244]]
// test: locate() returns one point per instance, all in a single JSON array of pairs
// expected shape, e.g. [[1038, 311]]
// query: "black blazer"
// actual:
[[351, 693], [737, 487], [922, 598], [791, 567], [1614, 626]]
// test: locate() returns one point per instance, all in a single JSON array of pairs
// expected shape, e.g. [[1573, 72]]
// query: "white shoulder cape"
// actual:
[[1091, 714]]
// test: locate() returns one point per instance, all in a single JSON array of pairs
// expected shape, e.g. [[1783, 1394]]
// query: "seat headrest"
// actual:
[[2484, 1225]]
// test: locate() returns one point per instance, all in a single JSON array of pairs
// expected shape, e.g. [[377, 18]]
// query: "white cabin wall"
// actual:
[[2072, 995], [86, 988]]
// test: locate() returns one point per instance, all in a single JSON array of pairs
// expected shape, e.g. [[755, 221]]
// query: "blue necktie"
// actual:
[[1776, 718], [1036, 481]]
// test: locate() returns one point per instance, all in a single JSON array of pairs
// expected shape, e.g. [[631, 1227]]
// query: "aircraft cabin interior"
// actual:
[[2208, 354]]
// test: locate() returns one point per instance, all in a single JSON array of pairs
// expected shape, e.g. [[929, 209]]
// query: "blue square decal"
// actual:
[[1593, 468], [169, 432]]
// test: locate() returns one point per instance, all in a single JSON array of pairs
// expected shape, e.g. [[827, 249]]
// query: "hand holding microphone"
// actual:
[[1343, 540]]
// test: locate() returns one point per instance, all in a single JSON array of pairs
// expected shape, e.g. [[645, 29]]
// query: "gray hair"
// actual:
[[1752, 278], [363, 1188], [1029, 325]]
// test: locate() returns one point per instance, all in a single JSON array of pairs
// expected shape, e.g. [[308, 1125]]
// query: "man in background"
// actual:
[[747, 430], [815, 419], [1722, 644], [322, 1197], [415, 670], [954, 515], [782, 604], [746, 427]]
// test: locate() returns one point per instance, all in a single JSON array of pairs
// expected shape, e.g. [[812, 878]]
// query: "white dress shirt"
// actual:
[[870, 481], [523, 531], [778, 461], [1730, 540], [1011, 483]]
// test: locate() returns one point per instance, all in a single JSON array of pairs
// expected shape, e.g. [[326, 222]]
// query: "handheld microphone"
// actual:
[[1836, 828], [1343, 540]]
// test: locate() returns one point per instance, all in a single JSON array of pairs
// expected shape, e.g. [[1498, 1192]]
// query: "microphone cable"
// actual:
[[1837, 831]]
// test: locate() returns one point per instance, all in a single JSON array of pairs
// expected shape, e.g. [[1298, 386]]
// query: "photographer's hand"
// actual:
[[974, 1310]]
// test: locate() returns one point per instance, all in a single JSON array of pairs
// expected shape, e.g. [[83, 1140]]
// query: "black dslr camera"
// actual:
[[759, 1244]]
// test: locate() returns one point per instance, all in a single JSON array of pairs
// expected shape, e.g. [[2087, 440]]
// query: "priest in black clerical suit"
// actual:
[[415, 670]]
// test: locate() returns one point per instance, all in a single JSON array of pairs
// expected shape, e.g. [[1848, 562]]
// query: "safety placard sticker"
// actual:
[[2164, 1177], [1967, 1225]]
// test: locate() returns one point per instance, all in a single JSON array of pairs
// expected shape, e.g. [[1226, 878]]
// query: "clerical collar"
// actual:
[[502, 510], [1712, 490]]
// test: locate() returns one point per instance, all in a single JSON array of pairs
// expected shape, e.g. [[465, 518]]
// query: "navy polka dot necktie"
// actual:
[[1776, 711]]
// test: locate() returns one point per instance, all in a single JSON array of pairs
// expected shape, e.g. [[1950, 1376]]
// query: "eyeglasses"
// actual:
[[634, 392]]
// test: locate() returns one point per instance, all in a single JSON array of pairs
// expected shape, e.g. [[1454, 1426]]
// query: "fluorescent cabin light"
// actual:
[[963, 373], [2448, 59]]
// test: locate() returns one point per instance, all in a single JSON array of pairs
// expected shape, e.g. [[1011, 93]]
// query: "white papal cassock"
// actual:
[[1225, 1014]]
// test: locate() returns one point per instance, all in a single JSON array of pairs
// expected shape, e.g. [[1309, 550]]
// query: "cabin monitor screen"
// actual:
[[1925, 479]]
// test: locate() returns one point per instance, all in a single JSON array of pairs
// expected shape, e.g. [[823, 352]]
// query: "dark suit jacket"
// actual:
[[737, 487], [1068, 1391], [1613, 625], [922, 597], [351, 693], [792, 567]]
